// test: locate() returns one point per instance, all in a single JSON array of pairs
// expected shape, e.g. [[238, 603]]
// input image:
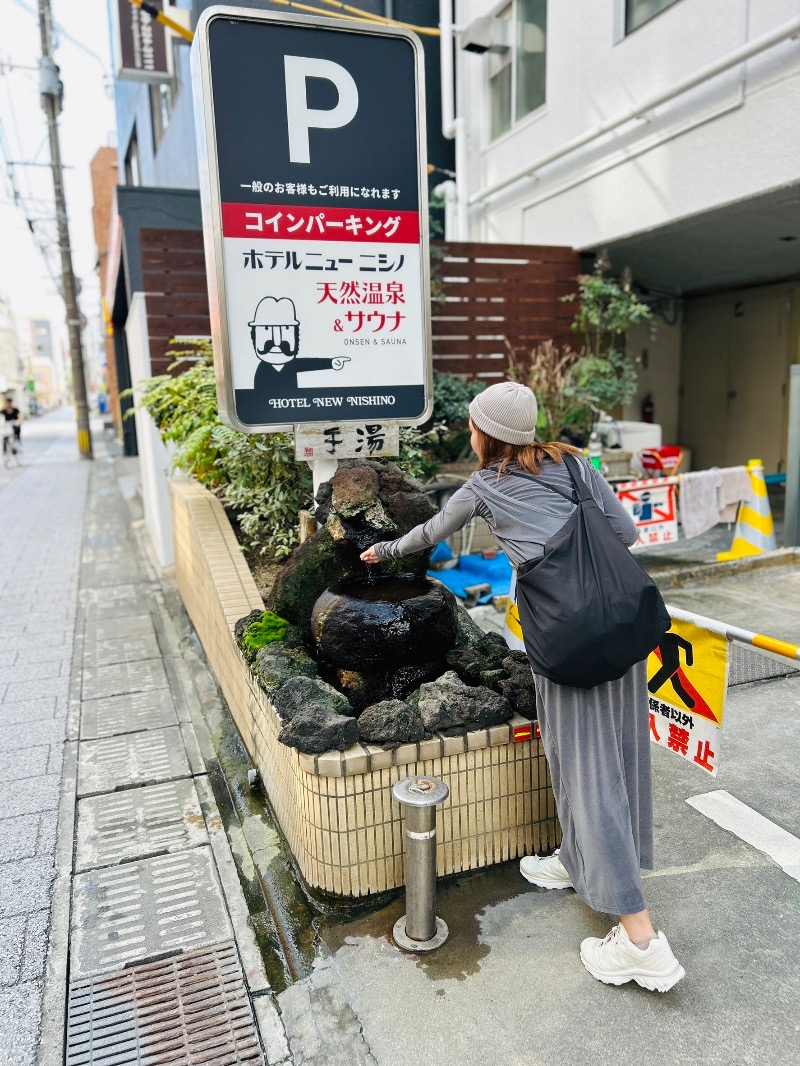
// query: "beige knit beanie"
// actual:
[[506, 411]]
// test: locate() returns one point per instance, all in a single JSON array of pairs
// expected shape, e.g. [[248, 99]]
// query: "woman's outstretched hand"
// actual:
[[369, 556]]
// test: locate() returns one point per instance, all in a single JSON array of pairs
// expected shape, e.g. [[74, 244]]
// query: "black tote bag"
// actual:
[[588, 610]]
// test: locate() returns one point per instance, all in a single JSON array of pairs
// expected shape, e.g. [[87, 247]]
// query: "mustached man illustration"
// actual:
[[275, 334]]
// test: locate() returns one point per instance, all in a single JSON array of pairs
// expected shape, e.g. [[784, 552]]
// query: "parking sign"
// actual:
[[311, 139]]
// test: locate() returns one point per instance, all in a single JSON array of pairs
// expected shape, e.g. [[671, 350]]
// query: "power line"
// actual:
[[43, 247], [67, 36]]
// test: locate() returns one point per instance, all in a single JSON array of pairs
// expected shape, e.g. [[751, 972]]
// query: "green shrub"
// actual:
[[254, 475], [452, 397], [417, 457]]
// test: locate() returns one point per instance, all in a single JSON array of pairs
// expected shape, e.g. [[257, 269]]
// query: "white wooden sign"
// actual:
[[347, 440]]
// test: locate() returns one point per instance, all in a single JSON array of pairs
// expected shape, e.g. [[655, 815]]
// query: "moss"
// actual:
[[260, 629]]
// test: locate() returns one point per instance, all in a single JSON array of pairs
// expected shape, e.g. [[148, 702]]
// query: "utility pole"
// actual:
[[50, 87]]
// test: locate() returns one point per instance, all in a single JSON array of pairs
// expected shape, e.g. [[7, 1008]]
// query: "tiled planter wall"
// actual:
[[336, 810]]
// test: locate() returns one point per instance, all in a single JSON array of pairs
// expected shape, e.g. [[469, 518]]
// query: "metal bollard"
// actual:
[[419, 929]]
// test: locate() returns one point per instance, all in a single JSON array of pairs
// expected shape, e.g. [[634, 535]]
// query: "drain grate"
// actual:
[[133, 759], [145, 909], [137, 823], [119, 650], [121, 678], [127, 714], [188, 1010]]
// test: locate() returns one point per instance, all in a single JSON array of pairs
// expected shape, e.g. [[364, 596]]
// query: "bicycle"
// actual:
[[11, 446]]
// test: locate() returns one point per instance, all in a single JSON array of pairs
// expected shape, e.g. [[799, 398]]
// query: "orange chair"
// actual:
[[661, 462]]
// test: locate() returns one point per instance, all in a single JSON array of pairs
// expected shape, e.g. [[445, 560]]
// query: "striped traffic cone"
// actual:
[[754, 532]]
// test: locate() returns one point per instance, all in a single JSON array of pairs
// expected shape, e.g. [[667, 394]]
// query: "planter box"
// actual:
[[336, 810]]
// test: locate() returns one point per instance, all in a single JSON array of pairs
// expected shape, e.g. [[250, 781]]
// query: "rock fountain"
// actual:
[[381, 654]]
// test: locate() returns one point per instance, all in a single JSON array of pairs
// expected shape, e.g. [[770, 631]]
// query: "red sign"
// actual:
[[288, 222]]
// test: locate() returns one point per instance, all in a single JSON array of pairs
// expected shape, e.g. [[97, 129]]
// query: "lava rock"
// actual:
[[409, 509], [391, 720], [517, 657], [324, 502], [492, 678], [356, 512], [493, 646], [360, 690], [316, 729], [467, 663], [522, 697], [367, 688], [301, 692], [409, 677], [355, 489], [448, 703], [274, 665], [391, 479], [364, 529], [294, 637], [468, 634], [483, 663], [519, 689]]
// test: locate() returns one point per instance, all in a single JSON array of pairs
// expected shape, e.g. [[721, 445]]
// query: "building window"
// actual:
[[161, 103], [133, 173], [517, 71], [637, 12], [163, 96]]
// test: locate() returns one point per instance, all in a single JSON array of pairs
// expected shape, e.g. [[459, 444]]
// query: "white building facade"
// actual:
[[668, 132], [12, 371]]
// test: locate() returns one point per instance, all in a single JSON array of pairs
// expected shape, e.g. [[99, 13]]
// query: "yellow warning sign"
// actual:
[[512, 629], [687, 676], [689, 670]]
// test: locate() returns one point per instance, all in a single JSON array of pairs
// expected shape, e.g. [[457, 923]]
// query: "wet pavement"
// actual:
[[113, 732], [114, 856]]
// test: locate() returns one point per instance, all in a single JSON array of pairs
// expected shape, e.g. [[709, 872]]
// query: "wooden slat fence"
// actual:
[[484, 294], [487, 294], [176, 293]]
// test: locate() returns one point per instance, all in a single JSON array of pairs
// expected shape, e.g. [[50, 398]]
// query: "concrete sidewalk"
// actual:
[[116, 865]]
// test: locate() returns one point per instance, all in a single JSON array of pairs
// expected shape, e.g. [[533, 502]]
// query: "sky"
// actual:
[[87, 123]]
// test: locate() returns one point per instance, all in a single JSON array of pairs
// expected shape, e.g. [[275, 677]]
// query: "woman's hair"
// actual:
[[529, 456]]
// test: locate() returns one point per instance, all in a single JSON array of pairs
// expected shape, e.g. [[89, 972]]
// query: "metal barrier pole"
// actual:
[[781, 648], [791, 524], [419, 929]]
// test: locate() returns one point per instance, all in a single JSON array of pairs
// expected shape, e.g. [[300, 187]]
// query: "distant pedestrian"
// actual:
[[13, 415], [596, 740]]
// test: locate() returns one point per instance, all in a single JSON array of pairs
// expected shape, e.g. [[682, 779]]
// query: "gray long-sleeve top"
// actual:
[[522, 514]]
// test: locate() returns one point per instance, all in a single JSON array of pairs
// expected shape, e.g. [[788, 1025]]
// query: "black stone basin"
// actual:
[[383, 623]]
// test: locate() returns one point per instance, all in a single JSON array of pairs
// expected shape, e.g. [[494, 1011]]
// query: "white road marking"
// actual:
[[752, 827]]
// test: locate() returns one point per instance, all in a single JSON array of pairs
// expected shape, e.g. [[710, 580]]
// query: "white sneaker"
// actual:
[[616, 960], [546, 873]]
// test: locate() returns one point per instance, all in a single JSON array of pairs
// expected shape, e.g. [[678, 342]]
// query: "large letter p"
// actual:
[[300, 117]]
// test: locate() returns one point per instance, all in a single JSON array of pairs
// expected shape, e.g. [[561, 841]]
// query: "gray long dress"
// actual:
[[596, 740]]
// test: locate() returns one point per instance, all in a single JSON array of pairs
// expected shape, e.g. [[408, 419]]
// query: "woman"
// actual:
[[596, 740]]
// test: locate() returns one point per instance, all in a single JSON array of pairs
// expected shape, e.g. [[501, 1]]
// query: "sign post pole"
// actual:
[[791, 531], [322, 470]]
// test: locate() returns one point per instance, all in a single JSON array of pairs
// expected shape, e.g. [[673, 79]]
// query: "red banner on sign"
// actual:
[[357, 224]]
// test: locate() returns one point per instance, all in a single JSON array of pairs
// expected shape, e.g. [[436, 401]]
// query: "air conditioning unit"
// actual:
[[487, 35]]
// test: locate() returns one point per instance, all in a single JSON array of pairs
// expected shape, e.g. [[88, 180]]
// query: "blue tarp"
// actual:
[[475, 570]]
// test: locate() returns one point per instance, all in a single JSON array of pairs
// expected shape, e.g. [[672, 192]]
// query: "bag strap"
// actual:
[[530, 477], [582, 489]]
